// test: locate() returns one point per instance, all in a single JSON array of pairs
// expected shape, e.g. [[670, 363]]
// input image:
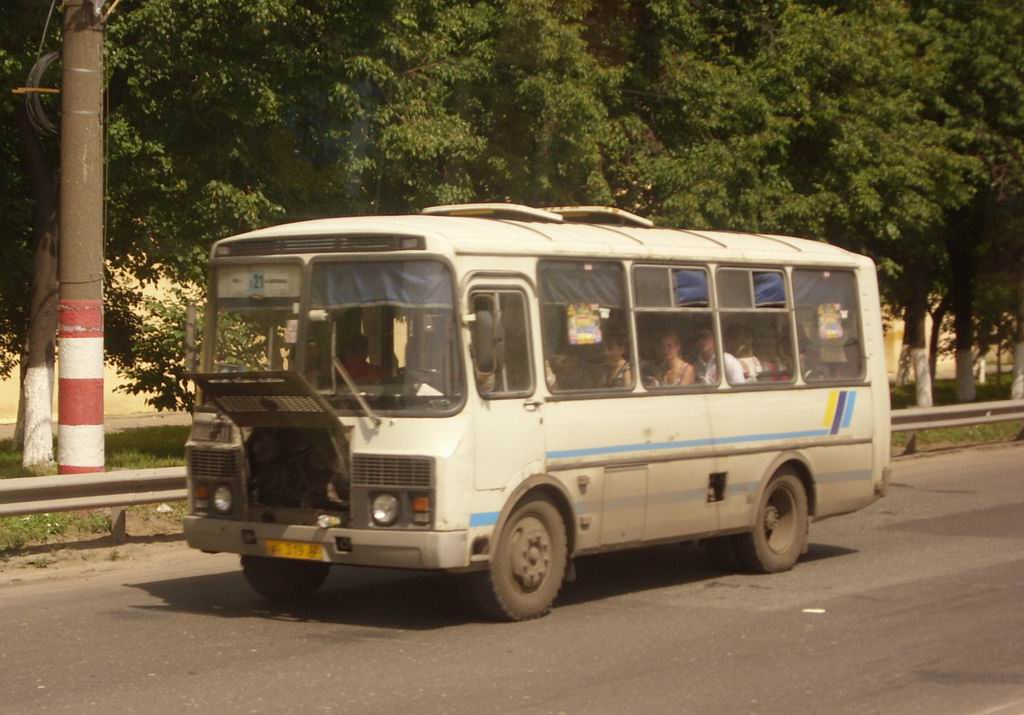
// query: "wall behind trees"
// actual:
[[846, 122]]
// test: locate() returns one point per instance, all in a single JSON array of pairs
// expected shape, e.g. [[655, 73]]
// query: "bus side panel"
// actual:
[[677, 499], [649, 488], [586, 487], [752, 428], [843, 478]]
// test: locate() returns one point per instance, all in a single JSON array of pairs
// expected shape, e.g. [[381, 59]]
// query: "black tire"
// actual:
[[283, 581], [780, 527], [528, 564]]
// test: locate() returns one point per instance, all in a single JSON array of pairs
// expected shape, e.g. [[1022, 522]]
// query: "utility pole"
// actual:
[[80, 271]]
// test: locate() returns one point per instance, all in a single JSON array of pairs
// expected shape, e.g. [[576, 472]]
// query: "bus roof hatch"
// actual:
[[510, 212]]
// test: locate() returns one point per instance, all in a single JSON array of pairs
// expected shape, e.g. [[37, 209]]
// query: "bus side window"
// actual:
[[756, 329], [585, 326], [672, 310]]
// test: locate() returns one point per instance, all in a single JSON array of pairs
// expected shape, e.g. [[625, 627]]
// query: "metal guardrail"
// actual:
[[915, 419], [33, 495], [67, 492]]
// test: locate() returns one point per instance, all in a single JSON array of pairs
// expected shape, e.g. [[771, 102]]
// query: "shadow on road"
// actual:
[[414, 600], [99, 542]]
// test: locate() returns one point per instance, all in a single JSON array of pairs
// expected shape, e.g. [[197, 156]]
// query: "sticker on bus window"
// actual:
[[584, 320], [830, 321]]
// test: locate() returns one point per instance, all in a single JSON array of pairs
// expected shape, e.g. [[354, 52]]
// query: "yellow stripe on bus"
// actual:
[[830, 409]]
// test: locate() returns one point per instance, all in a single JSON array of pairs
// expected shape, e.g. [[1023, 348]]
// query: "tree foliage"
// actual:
[[876, 125]]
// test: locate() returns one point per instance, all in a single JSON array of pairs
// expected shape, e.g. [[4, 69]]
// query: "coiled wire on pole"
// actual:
[[33, 102]]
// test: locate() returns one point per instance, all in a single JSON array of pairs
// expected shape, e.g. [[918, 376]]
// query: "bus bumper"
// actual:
[[355, 547]]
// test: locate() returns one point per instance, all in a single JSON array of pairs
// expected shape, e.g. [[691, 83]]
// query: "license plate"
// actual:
[[294, 550]]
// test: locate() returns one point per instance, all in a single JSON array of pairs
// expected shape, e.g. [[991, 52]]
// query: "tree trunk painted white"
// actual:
[[981, 369], [1017, 389], [38, 400], [965, 391], [903, 366], [922, 377], [38, 353], [19, 426]]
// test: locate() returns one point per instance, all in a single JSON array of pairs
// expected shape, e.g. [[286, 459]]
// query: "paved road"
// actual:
[[922, 593]]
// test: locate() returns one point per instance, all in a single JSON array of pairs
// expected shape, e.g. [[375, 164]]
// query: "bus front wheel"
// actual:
[[527, 566], [780, 528], [283, 581]]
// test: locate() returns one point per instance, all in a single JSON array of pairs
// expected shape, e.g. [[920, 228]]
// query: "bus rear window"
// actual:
[[828, 325]]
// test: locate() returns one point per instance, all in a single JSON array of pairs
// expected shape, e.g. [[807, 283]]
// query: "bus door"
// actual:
[[508, 433]]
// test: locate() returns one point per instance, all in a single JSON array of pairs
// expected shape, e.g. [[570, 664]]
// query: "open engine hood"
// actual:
[[267, 399]]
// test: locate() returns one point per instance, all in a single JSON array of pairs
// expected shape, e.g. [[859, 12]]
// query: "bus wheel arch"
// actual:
[[779, 534], [550, 488], [795, 462], [529, 554]]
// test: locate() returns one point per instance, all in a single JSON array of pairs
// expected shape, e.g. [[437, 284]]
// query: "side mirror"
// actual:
[[485, 345], [488, 332]]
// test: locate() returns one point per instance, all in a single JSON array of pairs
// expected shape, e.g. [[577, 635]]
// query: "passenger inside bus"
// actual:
[[617, 370], [674, 369], [707, 365], [739, 340]]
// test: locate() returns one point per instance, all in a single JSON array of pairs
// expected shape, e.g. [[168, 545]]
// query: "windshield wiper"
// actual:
[[350, 383]]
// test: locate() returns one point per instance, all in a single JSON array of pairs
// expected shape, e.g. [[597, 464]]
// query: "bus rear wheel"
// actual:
[[780, 529], [528, 564], [283, 581]]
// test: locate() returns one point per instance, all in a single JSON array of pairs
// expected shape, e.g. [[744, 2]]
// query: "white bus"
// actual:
[[494, 390]]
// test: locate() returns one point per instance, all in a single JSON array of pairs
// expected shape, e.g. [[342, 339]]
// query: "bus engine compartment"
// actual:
[[267, 448]]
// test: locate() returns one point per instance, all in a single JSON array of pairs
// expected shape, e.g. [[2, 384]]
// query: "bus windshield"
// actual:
[[257, 317], [391, 326]]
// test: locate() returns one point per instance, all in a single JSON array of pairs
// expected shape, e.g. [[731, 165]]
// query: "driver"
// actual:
[[353, 355]]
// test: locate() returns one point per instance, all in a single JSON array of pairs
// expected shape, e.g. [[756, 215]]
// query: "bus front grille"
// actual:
[[213, 463], [372, 470]]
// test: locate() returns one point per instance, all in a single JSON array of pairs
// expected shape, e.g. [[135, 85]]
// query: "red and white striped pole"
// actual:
[[80, 359], [80, 387]]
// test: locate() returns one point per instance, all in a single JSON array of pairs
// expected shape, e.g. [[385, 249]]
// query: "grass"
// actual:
[[143, 448], [951, 436], [944, 393], [16, 531]]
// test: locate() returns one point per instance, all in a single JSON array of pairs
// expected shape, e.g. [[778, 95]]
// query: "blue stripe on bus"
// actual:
[[851, 400], [484, 518], [706, 442], [840, 407], [490, 518]]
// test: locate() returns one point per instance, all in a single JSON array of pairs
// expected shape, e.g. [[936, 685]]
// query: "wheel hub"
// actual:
[[531, 554], [771, 519]]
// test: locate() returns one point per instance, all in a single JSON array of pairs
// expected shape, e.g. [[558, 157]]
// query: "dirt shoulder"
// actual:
[[153, 533]]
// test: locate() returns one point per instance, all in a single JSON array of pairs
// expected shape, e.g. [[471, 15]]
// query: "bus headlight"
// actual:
[[222, 499], [385, 509]]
